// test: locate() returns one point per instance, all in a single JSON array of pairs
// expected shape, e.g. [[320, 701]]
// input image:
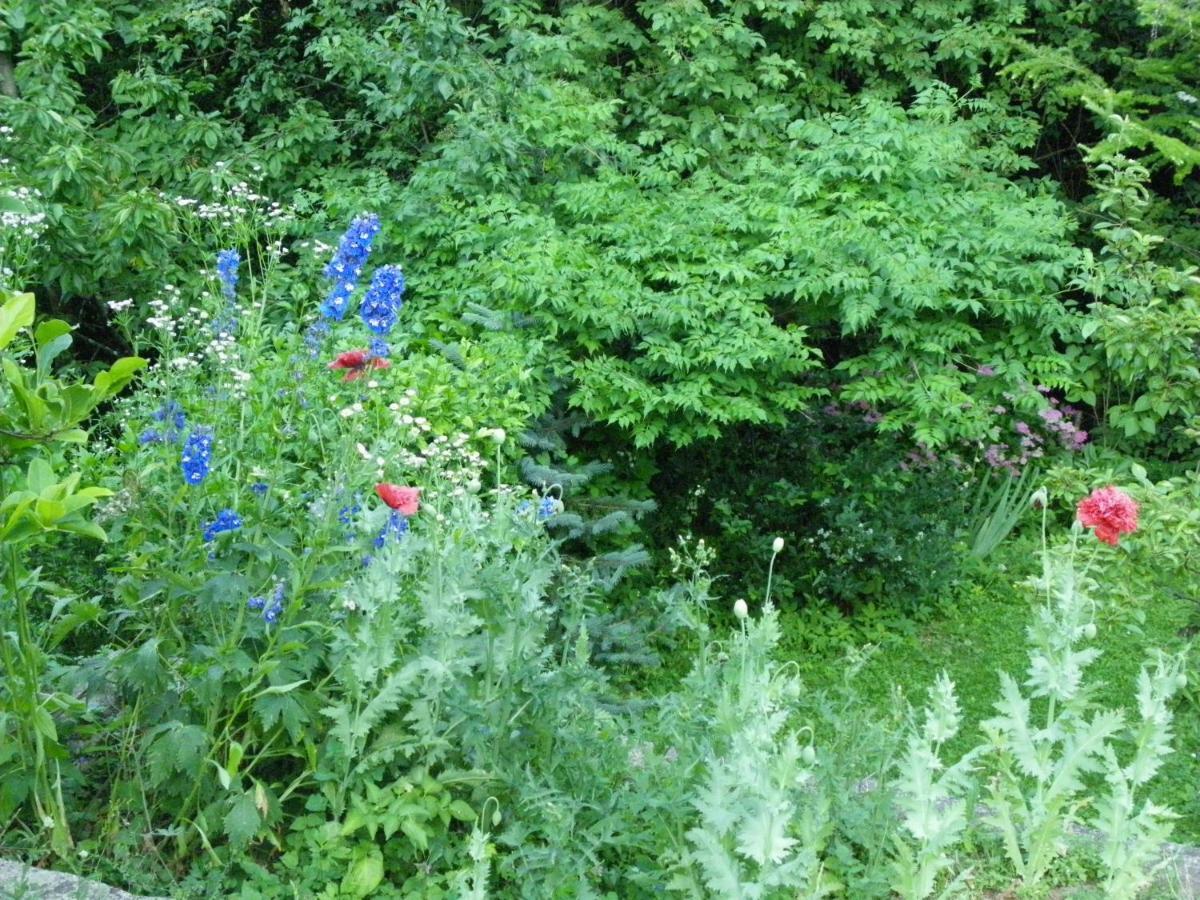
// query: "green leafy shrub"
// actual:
[[39, 421]]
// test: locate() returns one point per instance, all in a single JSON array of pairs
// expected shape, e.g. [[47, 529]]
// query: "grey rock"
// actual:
[[21, 882]]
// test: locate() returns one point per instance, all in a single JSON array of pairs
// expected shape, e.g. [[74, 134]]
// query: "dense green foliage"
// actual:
[[691, 207], [739, 334]]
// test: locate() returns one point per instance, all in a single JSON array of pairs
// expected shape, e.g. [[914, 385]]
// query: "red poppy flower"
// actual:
[[405, 500], [1111, 512], [356, 362]]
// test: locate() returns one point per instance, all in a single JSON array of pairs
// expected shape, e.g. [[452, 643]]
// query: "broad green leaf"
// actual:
[[462, 811], [119, 374], [43, 723], [15, 314], [365, 873], [40, 477]]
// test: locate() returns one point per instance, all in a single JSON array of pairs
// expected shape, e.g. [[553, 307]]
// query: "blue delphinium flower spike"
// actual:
[[347, 264], [397, 525], [226, 520], [196, 457], [314, 337], [347, 513], [385, 296], [174, 420], [227, 271]]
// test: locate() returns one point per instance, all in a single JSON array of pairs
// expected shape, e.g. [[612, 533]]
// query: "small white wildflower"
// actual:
[[637, 757]]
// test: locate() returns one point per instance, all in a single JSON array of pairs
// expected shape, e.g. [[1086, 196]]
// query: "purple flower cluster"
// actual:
[[920, 458], [1056, 423], [347, 264], [870, 415], [383, 300]]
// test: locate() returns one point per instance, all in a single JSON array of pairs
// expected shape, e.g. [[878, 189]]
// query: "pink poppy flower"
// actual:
[[357, 362], [405, 500], [1111, 512]]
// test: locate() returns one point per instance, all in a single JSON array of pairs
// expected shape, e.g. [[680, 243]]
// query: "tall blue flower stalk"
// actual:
[[383, 300], [196, 458], [347, 264], [227, 271]]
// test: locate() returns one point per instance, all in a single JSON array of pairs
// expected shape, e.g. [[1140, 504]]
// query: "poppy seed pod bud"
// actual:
[[809, 755], [1040, 498], [777, 545], [740, 609], [1089, 630]]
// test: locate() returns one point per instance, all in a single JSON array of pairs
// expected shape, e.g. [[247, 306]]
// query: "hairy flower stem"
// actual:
[[770, 575]]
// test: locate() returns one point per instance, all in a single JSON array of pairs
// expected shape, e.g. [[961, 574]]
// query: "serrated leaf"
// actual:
[[242, 820]]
